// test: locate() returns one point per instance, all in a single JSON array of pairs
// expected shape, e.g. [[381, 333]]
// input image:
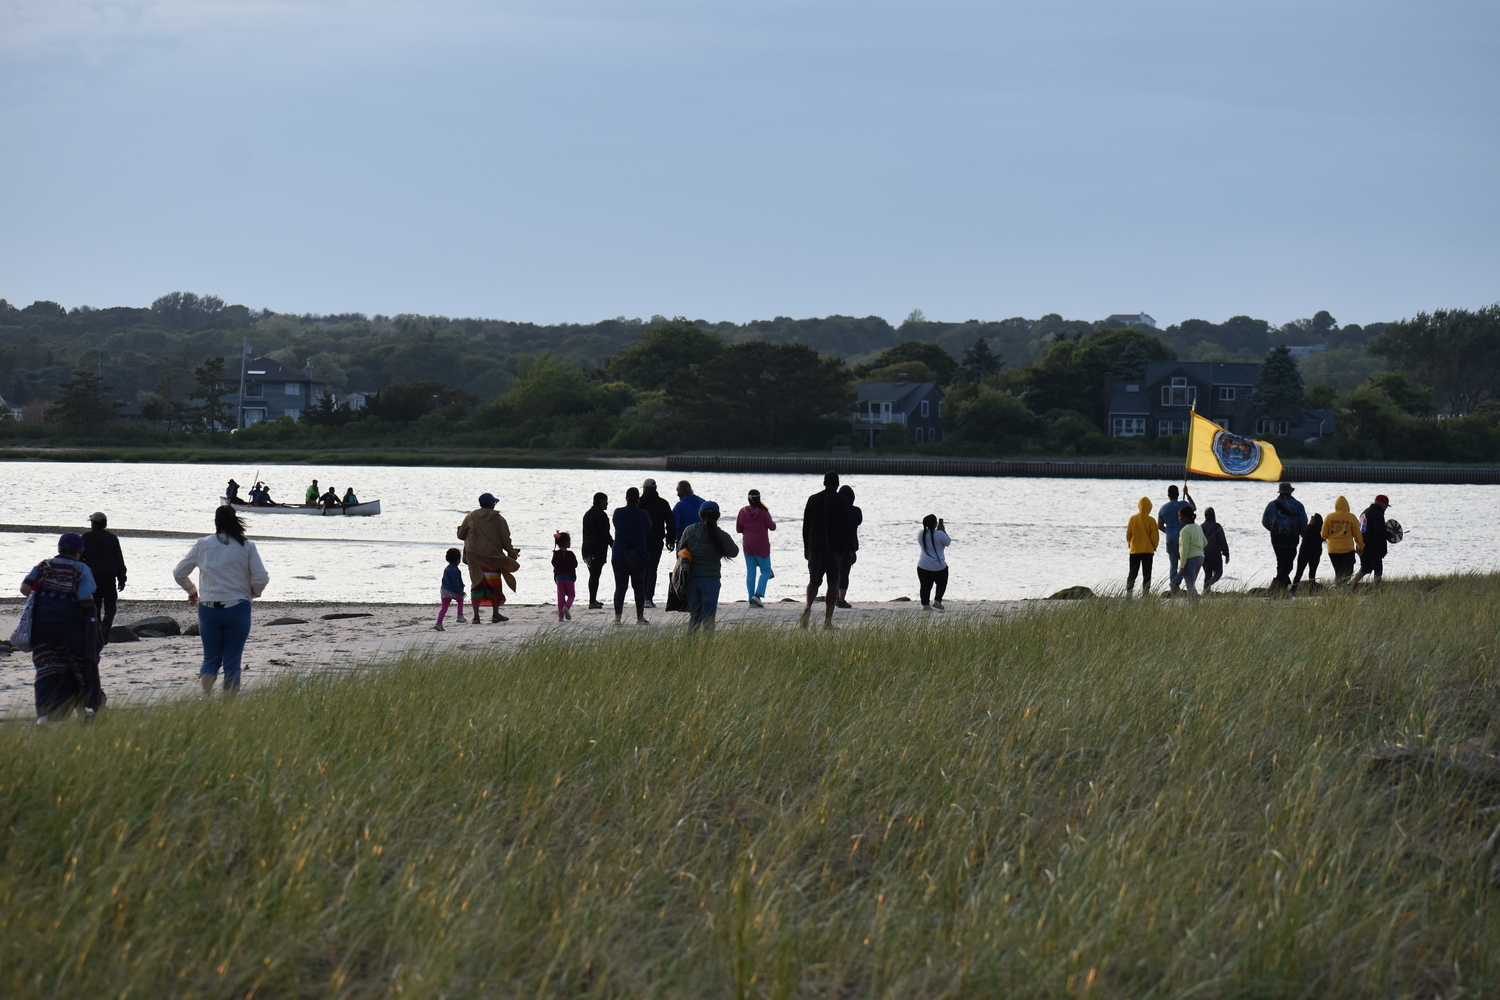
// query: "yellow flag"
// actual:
[[1213, 451]]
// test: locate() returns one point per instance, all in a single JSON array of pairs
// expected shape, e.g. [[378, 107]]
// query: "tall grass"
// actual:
[[1108, 799]]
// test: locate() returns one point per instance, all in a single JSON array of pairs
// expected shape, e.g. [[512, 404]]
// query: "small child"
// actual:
[[564, 571], [453, 590]]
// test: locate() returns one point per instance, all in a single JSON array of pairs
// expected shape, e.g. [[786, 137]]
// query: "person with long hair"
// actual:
[[1190, 546], [706, 546], [65, 638], [932, 563], [754, 521], [230, 576]]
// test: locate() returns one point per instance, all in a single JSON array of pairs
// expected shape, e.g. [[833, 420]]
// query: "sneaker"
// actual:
[[41, 720], [938, 606], [641, 620], [650, 603], [756, 602], [595, 606], [499, 618], [843, 604], [462, 620], [568, 615], [926, 607], [438, 627], [617, 619]]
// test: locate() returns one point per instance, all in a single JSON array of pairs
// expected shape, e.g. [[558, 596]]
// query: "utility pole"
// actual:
[[239, 411]]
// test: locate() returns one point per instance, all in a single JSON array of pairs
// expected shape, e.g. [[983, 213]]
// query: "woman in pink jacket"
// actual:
[[754, 522]]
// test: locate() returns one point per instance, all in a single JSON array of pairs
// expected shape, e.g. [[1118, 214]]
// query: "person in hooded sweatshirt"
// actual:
[[1311, 552], [1215, 549], [1376, 537], [596, 544], [1142, 536], [1341, 532], [1285, 518]]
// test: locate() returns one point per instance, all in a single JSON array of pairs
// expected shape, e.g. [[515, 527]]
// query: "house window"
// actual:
[[1225, 422], [1226, 394], [1132, 388], [1127, 427], [294, 388], [932, 433], [254, 416], [1265, 425], [925, 411], [294, 414], [1166, 428], [920, 436], [255, 390], [1179, 393]]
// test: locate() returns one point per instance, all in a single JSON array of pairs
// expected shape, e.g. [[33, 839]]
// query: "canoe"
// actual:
[[366, 509]]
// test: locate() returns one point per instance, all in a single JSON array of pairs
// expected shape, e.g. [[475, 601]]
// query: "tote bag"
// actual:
[[21, 637]]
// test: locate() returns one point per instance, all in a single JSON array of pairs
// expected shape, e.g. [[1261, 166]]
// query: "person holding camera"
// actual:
[[932, 563]]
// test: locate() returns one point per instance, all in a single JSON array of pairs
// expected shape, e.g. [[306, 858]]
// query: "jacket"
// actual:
[[706, 558], [685, 513], [663, 524], [486, 538], [228, 572], [1215, 544], [932, 547], [1141, 532], [1312, 539], [756, 524], [101, 553], [1190, 543], [632, 528], [825, 524], [1375, 535], [1341, 530], [1281, 513], [596, 536], [564, 565], [453, 580]]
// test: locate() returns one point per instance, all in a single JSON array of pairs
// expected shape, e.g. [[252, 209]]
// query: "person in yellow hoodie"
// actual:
[[1341, 532], [1142, 535]]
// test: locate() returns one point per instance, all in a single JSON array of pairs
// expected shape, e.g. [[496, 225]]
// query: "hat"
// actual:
[[1285, 488], [1382, 500], [98, 515], [485, 498], [709, 505], [649, 484], [70, 542]]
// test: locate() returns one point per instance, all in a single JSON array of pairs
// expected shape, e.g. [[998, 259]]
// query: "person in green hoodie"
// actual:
[[1190, 546], [1143, 536]]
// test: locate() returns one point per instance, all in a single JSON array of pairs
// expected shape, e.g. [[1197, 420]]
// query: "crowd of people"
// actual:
[[315, 496], [1297, 539]]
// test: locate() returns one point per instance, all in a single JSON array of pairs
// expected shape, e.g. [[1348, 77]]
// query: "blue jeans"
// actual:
[[753, 563], [1190, 572], [702, 602], [1175, 571], [224, 631]]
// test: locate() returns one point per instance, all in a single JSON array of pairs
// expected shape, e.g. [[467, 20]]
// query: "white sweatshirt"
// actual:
[[228, 572], [934, 555]]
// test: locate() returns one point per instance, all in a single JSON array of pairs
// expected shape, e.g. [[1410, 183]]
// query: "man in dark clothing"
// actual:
[[1377, 539], [826, 541], [663, 534], [856, 518], [1285, 519], [628, 557], [596, 543], [102, 555]]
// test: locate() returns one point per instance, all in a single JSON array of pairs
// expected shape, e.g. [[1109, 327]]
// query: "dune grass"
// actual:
[[1111, 798]]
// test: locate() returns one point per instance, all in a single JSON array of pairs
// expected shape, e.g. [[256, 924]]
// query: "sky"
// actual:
[[574, 160]]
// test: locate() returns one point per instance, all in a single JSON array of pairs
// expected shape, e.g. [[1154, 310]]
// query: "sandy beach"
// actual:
[[156, 669]]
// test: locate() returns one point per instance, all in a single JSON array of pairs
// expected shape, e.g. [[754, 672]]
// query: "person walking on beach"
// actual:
[[1342, 533], [932, 563], [629, 555], [102, 555], [686, 511], [452, 589], [754, 521], [1170, 524], [707, 545], [1376, 538], [1191, 544], [491, 557], [65, 639], [314, 495], [825, 545], [1142, 536], [1285, 519], [564, 574], [596, 543], [230, 576], [856, 518], [1311, 552], [661, 538], [1215, 550]]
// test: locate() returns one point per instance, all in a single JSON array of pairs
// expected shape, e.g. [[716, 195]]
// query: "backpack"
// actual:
[[1283, 524]]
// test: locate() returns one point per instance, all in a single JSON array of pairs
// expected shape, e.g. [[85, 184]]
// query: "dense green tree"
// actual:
[[1070, 374], [1410, 397], [553, 403], [163, 406], [930, 354], [1454, 351], [915, 371], [1279, 392], [984, 415], [1131, 362], [662, 353], [83, 403], [212, 414], [978, 363], [761, 395], [403, 402], [326, 413], [1323, 324], [1321, 396]]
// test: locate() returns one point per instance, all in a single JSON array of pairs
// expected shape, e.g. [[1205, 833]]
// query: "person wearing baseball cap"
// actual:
[[491, 557], [1372, 526], [102, 555], [708, 545], [1286, 520], [64, 632]]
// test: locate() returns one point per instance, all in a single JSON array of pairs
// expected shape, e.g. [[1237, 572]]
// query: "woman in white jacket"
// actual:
[[230, 574], [932, 564]]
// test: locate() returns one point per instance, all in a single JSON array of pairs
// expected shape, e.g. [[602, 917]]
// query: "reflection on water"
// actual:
[[1013, 538]]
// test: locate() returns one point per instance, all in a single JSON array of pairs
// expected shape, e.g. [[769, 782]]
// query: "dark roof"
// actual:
[[266, 370], [1126, 403], [901, 395], [1212, 372]]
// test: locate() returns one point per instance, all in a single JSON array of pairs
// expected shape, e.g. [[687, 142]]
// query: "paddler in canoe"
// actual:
[[490, 555]]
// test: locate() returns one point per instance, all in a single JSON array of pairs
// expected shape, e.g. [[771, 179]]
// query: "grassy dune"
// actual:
[[1107, 799]]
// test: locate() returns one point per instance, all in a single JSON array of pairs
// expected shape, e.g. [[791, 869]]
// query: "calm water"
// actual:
[[1013, 538]]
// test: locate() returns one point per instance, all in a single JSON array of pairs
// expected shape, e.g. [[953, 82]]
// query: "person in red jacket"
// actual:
[[756, 524]]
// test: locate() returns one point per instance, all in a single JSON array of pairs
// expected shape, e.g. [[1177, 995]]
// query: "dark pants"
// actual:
[[1307, 560], [930, 578], [1372, 563], [1140, 562], [1343, 565], [1285, 557], [653, 570], [1212, 571], [630, 571], [596, 567], [107, 600], [825, 565]]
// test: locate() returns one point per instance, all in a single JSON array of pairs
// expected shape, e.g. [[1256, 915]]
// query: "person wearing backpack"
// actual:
[[1285, 519]]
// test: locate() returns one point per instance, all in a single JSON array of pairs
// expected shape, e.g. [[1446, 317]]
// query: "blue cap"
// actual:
[[485, 498], [70, 542], [709, 505]]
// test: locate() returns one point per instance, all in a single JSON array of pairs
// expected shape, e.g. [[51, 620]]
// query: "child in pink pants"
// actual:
[[565, 572], [453, 590]]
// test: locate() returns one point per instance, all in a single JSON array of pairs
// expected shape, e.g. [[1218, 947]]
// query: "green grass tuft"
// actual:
[[1107, 798]]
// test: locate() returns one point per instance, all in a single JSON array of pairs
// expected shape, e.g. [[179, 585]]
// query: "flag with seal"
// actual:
[[1213, 451]]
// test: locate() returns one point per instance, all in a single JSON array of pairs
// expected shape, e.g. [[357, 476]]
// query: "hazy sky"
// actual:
[[580, 159]]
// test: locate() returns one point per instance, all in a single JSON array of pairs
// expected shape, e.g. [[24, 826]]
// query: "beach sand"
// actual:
[[157, 669]]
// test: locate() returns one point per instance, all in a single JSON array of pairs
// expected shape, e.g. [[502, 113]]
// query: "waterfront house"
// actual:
[[273, 390], [916, 406], [1159, 404]]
